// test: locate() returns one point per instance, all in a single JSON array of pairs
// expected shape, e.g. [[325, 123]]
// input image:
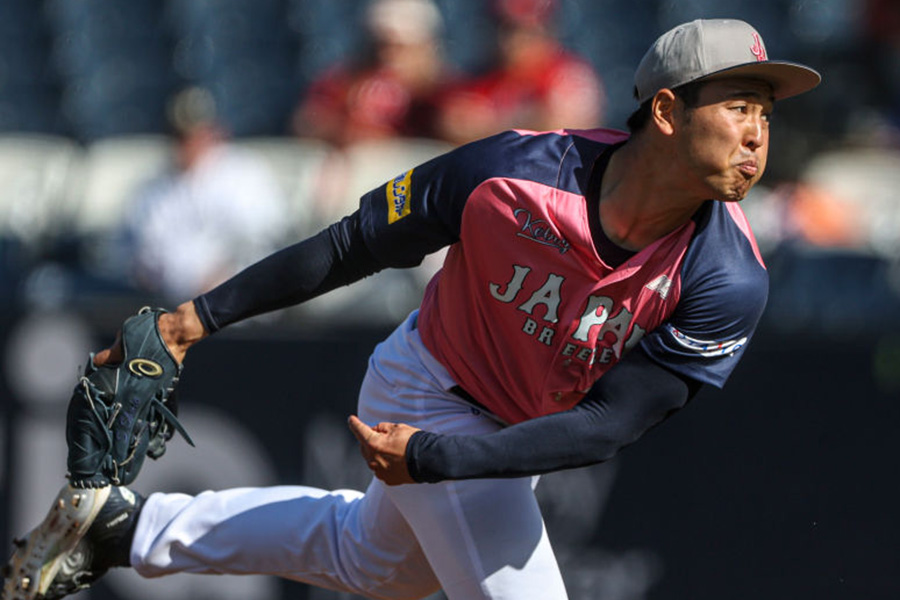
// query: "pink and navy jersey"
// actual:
[[533, 304]]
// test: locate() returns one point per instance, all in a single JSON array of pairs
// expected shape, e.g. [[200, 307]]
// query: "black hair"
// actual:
[[689, 93]]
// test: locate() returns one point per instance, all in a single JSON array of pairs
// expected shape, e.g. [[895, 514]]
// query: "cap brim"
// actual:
[[787, 78]]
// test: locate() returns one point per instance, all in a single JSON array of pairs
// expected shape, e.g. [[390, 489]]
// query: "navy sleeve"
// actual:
[[397, 225], [337, 256], [420, 211], [724, 292], [631, 398]]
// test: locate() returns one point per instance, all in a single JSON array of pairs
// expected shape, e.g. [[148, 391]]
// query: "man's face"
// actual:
[[725, 138]]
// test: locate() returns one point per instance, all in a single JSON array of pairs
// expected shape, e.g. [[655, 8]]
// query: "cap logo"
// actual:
[[757, 49]]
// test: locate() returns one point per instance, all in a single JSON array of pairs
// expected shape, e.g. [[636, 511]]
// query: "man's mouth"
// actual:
[[748, 168]]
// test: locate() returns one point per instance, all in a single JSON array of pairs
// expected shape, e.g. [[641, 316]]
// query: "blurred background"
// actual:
[[151, 148]]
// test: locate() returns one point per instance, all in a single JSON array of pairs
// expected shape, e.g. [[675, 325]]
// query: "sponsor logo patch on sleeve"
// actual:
[[707, 348], [398, 196]]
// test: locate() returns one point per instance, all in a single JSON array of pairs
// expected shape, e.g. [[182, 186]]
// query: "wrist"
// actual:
[[416, 450], [181, 329]]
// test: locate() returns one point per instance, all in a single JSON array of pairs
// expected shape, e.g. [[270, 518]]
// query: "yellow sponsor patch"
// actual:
[[398, 196]]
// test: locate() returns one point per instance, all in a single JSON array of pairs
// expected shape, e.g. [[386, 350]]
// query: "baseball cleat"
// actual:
[[86, 532]]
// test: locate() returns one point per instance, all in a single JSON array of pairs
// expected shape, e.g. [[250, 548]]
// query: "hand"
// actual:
[[384, 448], [180, 330], [112, 355]]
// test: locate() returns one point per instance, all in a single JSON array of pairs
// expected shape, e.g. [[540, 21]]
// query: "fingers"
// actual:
[[112, 355], [385, 427], [383, 449], [362, 431], [363, 434]]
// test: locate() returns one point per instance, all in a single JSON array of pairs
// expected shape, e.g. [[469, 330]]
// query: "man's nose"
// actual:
[[754, 137]]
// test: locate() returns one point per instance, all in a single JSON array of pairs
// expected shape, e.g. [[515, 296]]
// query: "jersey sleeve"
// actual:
[[420, 211], [715, 319]]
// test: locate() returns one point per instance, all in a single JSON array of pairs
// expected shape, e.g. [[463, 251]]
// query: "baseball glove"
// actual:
[[119, 414]]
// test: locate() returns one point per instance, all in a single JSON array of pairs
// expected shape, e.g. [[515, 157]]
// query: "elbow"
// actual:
[[603, 449]]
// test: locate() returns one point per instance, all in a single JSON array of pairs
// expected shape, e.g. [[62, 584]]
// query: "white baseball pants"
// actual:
[[475, 539]]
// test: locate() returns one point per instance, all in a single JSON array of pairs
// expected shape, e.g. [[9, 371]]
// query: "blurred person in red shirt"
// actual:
[[390, 89], [881, 58], [536, 82], [883, 21]]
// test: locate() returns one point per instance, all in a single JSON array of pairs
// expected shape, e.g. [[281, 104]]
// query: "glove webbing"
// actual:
[[158, 416]]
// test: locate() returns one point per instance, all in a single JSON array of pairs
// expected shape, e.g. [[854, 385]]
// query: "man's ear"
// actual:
[[662, 111]]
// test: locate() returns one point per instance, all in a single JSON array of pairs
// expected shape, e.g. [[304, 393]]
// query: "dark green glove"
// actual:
[[119, 414]]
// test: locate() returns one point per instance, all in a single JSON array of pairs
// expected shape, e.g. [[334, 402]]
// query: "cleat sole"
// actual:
[[40, 554]]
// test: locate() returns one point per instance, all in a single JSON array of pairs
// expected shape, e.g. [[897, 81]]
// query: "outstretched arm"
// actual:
[[336, 256]]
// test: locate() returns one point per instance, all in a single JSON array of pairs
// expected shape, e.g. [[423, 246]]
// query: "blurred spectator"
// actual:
[[882, 59], [844, 200], [390, 88], [215, 211], [811, 215], [883, 21], [535, 82]]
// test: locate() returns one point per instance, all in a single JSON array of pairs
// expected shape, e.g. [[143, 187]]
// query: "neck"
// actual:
[[643, 196]]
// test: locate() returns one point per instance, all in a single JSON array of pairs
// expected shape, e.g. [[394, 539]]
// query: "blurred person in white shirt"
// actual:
[[215, 211]]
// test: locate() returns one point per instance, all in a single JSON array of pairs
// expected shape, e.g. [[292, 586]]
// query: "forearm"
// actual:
[[337, 256], [529, 448], [637, 396]]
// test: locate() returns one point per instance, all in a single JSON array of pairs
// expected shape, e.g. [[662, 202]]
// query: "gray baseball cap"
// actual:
[[710, 48]]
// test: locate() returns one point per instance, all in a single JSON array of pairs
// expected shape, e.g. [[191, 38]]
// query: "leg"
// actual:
[[341, 540], [485, 538]]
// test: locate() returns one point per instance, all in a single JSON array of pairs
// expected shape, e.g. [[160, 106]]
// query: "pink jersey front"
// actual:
[[526, 287]]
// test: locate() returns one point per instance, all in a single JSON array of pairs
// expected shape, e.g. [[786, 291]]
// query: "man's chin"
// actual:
[[736, 193]]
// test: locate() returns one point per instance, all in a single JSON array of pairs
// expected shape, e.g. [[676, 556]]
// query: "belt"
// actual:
[[457, 390]]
